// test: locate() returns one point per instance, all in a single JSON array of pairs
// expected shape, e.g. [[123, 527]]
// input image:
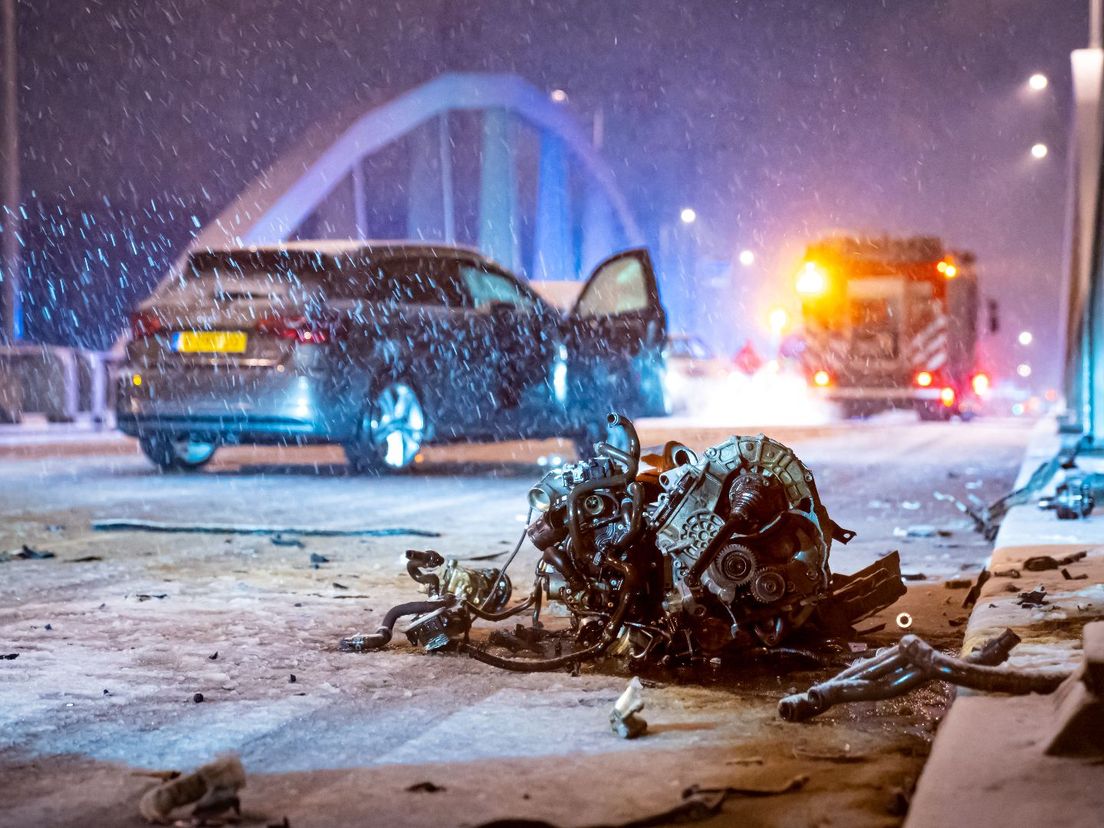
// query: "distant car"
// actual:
[[382, 347], [692, 369]]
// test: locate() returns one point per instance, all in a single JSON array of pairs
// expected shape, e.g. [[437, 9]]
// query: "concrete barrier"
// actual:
[[60, 383]]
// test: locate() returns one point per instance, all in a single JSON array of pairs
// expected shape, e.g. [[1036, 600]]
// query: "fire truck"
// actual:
[[891, 323]]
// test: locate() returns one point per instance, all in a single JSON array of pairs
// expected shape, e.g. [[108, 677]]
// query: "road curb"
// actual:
[[987, 766]]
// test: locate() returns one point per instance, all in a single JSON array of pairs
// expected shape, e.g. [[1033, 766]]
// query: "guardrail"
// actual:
[[61, 383]]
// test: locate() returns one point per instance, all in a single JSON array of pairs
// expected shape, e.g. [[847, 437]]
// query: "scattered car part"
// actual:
[[691, 558], [26, 553], [624, 719], [213, 787], [443, 615], [895, 671], [1075, 497]]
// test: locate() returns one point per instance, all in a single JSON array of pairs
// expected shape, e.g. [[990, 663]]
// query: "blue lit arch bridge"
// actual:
[[478, 159]]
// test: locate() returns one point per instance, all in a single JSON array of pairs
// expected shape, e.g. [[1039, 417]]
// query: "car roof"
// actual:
[[334, 248]]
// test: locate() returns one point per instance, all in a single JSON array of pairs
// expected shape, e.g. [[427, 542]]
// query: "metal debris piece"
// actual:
[[688, 559], [26, 553], [283, 540], [139, 525], [426, 787], [1075, 497], [895, 671], [1042, 563], [213, 787], [623, 718], [1034, 598], [975, 590]]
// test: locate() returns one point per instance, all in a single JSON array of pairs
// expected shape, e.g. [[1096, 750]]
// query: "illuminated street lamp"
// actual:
[[1024, 370], [558, 96], [1039, 151], [1025, 338], [1038, 82], [747, 258], [688, 215]]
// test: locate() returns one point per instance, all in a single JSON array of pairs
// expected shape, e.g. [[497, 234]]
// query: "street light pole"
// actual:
[[11, 321]]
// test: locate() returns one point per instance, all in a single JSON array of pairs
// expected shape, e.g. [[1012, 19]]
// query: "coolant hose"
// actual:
[[382, 635]]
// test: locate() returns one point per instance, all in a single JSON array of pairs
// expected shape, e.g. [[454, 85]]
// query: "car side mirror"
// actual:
[[501, 309]]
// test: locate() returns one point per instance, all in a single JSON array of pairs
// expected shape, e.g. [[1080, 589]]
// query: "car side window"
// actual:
[[486, 289], [425, 281]]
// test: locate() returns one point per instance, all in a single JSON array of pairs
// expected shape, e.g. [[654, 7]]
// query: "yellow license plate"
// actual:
[[207, 342]]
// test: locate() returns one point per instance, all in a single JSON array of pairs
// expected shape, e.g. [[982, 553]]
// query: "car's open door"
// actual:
[[615, 341]]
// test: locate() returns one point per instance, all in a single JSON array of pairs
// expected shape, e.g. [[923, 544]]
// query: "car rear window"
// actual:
[[246, 276], [296, 276]]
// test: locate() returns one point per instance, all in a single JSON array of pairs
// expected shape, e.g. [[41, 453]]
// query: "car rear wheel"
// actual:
[[391, 430], [176, 453]]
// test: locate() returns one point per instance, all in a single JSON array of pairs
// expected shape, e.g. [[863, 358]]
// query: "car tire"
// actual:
[[391, 430], [172, 453]]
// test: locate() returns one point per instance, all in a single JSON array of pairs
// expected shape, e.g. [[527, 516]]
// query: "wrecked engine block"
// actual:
[[662, 559]]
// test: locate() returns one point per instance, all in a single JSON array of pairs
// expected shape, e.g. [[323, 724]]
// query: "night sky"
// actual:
[[774, 120]]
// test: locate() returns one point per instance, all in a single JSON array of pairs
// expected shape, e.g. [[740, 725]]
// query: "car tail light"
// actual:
[[981, 384], [145, 323], [947, 397], [822, 379], [301, 329], [924, 379]]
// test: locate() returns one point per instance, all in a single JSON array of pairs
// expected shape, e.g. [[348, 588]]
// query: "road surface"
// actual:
[[118, 633]]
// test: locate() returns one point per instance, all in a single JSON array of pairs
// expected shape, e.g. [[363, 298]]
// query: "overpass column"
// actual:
[[429, 190], [552, 255], [498, 201], [360, 200], [599, 235]]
